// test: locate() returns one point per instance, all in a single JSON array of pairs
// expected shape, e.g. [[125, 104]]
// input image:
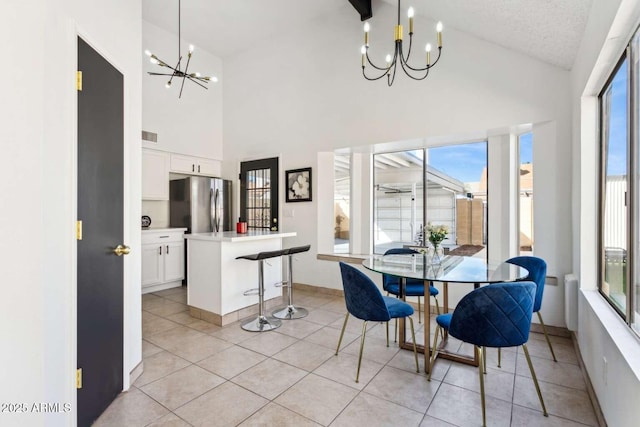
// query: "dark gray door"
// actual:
[[259, 194], [100, 208]]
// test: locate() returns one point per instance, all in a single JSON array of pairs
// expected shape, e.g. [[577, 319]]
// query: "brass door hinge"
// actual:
[[79, 378], [79, 80], [78, 230]]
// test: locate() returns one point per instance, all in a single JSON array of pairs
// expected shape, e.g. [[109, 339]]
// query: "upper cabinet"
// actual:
[[155, 175], [195, 165]]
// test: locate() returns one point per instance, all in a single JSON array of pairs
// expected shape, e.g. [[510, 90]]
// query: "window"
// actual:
[[456, 177], [259, 194], [618, 226], [398, 204], [452, 180], [525, 205], [341, 202]]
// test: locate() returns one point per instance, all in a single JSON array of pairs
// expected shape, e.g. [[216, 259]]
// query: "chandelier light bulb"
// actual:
[[439, 27], [363, 49], [197, 74], [410, 12], [388, 59], [154, 60], [168, 85], [367, 27], [147, 52], [428, 47], [191, 48], [213, 79]]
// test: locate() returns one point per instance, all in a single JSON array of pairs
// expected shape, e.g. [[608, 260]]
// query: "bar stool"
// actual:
[[291, 311], [261, 323]]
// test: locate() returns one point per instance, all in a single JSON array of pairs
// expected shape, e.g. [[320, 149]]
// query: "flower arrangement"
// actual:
[[436, 233]]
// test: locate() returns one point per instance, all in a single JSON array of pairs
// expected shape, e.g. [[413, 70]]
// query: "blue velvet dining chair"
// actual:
[[365, 302], [413, 287], [497, 315], [537, 268]]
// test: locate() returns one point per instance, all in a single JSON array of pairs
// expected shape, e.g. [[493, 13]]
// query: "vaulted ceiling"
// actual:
[[549, 30]]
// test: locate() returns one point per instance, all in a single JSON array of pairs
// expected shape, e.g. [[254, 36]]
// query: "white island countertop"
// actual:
[[232, 236]]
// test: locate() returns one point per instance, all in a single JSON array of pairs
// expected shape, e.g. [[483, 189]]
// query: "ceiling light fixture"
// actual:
[[416, 73], [177, 72]]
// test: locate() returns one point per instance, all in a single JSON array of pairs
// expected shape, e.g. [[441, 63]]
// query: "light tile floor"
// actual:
[[200, 374]]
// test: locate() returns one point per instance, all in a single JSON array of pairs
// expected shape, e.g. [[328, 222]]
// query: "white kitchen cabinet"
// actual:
[[195, 165], [155, 175], [163, 259]]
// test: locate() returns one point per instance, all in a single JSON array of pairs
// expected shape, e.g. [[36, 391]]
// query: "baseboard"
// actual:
[[318, 290], [136, 372], [234, 316], [590, 391]]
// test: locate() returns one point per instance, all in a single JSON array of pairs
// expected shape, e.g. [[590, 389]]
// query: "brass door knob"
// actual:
[[122, 250]]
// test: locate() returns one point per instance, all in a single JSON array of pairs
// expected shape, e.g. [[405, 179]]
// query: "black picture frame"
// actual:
[[299, 185]]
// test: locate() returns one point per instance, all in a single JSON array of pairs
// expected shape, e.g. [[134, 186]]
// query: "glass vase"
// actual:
[[438, 254]]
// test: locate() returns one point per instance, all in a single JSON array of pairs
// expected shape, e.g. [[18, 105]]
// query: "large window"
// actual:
[[525, 190], [442, 186], [341, 202], [619, 197]]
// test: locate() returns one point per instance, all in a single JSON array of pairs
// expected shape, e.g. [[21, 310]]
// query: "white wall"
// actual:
[[191, 124], [303, 93], [610, 350], [38, 135]]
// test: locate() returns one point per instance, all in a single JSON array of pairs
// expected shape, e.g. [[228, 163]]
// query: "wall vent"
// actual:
[[149, 136], [571, 301]]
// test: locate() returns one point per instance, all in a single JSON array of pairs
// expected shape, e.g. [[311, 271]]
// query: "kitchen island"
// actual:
[[216, 280]]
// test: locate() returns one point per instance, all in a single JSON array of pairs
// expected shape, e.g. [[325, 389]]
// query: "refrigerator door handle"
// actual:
[[212, 212], [217, 218]]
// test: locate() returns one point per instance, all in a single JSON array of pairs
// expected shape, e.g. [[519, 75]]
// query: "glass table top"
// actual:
[[451, 269]]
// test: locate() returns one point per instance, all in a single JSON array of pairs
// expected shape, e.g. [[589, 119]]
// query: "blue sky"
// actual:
[[466, 161], [617, 155]]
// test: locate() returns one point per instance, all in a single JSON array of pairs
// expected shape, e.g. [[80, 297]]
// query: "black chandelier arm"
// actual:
[[391, 78], [408, 72], [406, 60], [195, 81], [385, 69], [159, 74], [373, 78], [185, 75], [428, 67]]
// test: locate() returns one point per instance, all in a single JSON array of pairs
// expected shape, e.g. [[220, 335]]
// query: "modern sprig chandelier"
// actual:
[[416, 73], [177, 72]]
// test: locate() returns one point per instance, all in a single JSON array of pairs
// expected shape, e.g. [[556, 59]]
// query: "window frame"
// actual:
[[631, 198]]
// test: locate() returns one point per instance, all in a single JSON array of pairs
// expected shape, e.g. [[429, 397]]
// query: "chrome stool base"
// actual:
[[262, 323], [291, 312]]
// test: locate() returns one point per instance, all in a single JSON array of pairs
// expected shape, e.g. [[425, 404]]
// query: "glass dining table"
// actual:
[[452, 269]]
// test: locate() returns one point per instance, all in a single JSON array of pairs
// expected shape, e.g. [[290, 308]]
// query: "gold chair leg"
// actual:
[[415, 348], [544, 329], [484, 359], [387, 323], [437, 306], [419, 313], [535, 379], [344, 326], [364, 330], [499, 357], [434, 352], [395, 331], [484, 416]]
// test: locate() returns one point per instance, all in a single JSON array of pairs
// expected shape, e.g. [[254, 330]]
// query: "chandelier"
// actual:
[[177, 72], [416, 73]]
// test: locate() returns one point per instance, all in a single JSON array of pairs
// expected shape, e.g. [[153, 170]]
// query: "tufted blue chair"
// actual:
[[492, 316], [413, 288], [537, 273], [364, 301]]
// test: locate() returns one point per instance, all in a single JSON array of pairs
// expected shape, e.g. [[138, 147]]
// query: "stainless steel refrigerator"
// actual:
[[201, 204]]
